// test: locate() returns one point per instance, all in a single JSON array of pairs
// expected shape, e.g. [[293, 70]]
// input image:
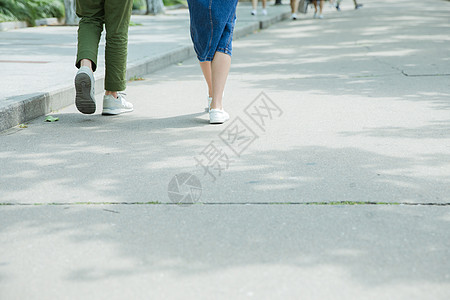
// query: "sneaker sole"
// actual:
[[83, 99], [218, 121], [113, 112]]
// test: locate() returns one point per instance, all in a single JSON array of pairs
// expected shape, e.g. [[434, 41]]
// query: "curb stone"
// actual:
[[4, 26]]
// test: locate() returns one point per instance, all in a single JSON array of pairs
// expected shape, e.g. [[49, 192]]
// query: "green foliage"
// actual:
[[136, 78], [174, 2], [139, 4], [51, 119], [135, 24], [30, 10], [11, 10]]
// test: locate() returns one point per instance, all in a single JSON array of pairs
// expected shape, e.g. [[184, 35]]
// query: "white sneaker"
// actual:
[[321, 17], [315, 16], [294, 16], [218, 116], [254, 12], [84, 87], [264, 12], [116, 106]]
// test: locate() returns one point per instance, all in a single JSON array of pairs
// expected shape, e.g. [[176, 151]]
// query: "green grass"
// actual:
[[174, 2], [135, 24], [139, 4], [135, 78], [30, 10]]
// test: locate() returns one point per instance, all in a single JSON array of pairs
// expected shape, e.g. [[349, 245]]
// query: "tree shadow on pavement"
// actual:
[[368, 248], [132, 159]]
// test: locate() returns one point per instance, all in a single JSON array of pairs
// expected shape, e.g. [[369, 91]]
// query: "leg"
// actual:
[[357, 5], [89, 32], [117, 19], [220, 66], [86, 63], [254, 4], [296, 2], [264, 11], [206, 69], [321, 6], [294, 8]]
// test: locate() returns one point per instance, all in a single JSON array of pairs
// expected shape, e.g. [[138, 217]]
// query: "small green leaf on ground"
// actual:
[[23, 126], [51, 119], [135, 78]]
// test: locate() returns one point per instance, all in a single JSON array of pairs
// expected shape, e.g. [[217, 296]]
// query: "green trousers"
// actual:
[[115, 16]]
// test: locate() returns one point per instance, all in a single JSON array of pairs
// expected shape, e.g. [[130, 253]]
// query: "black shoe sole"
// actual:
[[83, 100]]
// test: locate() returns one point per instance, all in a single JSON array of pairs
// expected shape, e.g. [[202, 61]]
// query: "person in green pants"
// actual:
[[115, 16]]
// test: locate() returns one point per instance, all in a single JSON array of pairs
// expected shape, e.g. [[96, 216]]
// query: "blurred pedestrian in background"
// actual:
[[320, 15], [255, 5], [294, 8], [357, 6]]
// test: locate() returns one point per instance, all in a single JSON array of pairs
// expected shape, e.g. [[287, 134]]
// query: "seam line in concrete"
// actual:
[[423, 75], [331, 203]]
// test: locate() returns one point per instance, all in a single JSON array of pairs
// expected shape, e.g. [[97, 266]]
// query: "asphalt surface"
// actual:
[[330, 181]]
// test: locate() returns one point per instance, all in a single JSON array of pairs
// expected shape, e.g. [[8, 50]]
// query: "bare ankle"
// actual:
[[114, 94], [86, 63]]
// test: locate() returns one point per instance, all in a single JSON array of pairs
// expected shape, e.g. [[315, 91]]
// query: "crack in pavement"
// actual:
[[403, 72], [347, 203]]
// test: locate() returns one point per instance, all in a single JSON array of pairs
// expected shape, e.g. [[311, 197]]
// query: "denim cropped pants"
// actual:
[[212, 25], [115, 15]]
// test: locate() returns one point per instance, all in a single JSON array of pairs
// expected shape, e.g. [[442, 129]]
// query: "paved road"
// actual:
[[360, 113]]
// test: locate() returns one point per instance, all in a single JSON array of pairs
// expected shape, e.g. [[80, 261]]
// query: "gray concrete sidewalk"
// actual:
[[224, 252], [343, 193], [37, 64]]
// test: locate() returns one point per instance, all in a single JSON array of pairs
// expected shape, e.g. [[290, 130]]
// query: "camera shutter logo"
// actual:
[[184, 188]]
